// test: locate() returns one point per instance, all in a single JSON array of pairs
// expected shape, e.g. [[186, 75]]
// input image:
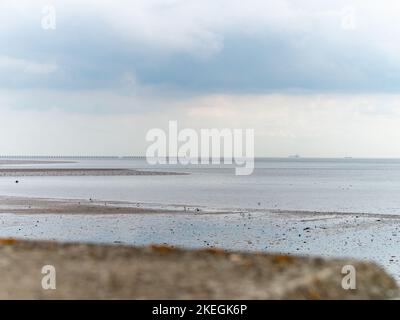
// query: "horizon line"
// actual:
[[289, 157]]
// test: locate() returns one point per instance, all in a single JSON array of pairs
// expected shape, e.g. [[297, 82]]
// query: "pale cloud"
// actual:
[[331, 125], [26, 66]]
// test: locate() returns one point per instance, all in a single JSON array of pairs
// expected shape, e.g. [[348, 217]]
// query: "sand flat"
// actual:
[[371, 237], [7, 162], [26, 205], [43, 172]]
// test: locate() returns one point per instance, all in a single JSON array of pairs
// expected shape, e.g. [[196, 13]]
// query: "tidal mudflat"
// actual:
[[369, 237], [80, 172], [324, 207]]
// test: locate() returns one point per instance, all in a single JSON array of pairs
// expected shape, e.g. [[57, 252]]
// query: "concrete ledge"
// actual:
[[159, 272]]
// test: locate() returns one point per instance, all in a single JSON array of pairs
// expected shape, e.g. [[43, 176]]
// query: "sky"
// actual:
[[315, 78]]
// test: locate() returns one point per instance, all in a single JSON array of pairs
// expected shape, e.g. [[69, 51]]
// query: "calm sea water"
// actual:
[[343, 185]]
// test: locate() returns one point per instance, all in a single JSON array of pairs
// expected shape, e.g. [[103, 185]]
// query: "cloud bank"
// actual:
[[260, 46], [300, 73]]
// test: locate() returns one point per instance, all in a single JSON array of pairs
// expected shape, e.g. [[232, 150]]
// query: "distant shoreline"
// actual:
[[25, 162], [57, 172], [72, 159]]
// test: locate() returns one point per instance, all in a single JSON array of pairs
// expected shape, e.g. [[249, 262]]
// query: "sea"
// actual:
[[324, 185]]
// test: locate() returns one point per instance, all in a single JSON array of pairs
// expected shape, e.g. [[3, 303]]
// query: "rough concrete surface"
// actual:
[[85, 271]]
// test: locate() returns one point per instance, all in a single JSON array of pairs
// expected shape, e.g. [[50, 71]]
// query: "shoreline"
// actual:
[[369, 237], [4, 162], [80, 172], [37, 205]]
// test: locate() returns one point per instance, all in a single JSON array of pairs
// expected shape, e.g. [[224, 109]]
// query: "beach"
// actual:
[[125, 203], [366, 237]]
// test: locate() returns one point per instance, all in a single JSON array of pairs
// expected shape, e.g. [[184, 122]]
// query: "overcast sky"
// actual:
[[315, 78]]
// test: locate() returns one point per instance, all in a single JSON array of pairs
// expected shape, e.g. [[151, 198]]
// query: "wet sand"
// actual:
[[6, 162], [369, 237], [25, 205], [30, 172]]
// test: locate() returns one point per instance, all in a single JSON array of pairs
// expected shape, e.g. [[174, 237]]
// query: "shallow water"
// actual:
[[336, 236], [344, 185]]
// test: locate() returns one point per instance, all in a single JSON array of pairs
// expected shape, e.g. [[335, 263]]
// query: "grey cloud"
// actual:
[[93, 51]]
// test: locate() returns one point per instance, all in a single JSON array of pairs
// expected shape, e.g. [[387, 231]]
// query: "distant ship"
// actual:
[[294, 156]]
